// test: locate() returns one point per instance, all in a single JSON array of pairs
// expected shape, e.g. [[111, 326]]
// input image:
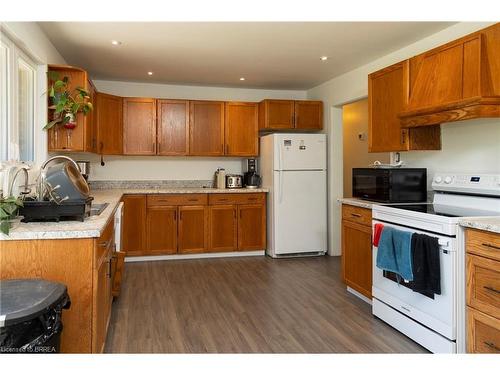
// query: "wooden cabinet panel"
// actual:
[[134, 224], [91, 121], [357, 256], [276, 114], [109, 124], [485, 244], [252, 227], [483, 333], [192, 229], [387, 97], [173, 127], [237, 198], [222, 228], [139, 126], [483, 285], [206, 128], [358, 215], [308, 115], [103, 299], [177, 199], [241, 129], [161, 227], [59, 138]]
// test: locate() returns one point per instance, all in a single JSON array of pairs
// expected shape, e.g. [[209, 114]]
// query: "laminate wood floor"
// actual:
[[245, 305]]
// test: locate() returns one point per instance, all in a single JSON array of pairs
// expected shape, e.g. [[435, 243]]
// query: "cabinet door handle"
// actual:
[[355, 215], [491, 345], [109, 267], [491, 289], [104, 244], [491, 245]]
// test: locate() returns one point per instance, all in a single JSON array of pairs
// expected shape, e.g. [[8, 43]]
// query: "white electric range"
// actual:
[[436, 323]]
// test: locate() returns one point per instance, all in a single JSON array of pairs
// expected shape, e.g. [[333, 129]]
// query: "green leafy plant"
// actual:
[[65, 103], [8, 211]]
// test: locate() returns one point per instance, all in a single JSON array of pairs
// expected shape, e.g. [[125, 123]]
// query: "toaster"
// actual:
[[234, 181]]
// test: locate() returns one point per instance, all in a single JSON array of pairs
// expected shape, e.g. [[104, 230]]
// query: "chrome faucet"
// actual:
[[11, 186], [41, 185]]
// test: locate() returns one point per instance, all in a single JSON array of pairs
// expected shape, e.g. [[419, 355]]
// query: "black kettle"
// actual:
[[251, 180]]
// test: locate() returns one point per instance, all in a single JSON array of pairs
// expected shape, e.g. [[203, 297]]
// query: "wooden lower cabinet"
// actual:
[[193, 229], [223, 229], [84, 266], [161, 230], [134, 224], [357, 249], [483, 291], [251, 227], [164, 224]]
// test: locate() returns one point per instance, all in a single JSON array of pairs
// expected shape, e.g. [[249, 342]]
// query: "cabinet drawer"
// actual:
[[482, 243], [237, 198], [104, 244], [358, 215], [176, 199], [483, 284], [483, 333]]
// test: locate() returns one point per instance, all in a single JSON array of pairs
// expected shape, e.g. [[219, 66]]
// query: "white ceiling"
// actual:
[[274, 55]]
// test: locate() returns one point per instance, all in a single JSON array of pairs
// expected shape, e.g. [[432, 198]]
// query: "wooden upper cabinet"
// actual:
[[387, 96], [109, 124], [206, 128], [59, 138], [91, 121], [192, 229], [276, 114], [134, 224], [173, 127], [241, 129], [308, 115], [139, 126], [456, 81]]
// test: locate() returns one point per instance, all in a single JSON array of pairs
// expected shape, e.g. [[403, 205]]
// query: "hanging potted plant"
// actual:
[[66, 104]]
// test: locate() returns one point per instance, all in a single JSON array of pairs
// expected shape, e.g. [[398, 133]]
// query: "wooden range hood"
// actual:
[[457, 81]]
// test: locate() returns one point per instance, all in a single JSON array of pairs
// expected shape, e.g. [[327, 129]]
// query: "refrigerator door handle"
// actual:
[[280, 151], [280, 174]]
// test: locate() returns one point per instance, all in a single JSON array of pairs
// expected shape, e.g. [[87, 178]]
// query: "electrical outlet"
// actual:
[[362, 137]]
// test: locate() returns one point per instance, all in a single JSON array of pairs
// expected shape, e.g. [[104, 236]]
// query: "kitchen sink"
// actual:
[[96, 209]]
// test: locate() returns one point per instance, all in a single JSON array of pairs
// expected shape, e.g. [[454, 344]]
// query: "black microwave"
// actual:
[[395, 185]]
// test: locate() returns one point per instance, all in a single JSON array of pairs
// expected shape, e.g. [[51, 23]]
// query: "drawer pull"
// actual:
[[491, 345], [491, 289], [223, 199], [355, 215], [491, 245], [104, 244], [252, 199]]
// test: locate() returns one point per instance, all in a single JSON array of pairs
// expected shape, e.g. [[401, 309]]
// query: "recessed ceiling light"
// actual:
[[116, 42], [150, 73], [242, 78], [323, 58]]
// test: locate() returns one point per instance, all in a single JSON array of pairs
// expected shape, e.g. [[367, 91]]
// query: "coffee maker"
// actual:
[[251, 180]]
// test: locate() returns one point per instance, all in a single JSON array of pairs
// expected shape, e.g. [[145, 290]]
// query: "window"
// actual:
[[17, 102]]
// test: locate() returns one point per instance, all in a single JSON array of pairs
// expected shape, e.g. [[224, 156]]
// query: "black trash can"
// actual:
[[30, 315]]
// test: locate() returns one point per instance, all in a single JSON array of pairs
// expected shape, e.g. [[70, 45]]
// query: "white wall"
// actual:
[[174, 168], [353, 85], [33, 41]]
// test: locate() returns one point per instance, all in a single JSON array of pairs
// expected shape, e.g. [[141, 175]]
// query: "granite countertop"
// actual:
[[94, 225], [489, 224], [358, 202]]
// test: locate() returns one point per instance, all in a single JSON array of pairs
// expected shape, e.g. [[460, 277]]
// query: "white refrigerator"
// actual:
[[293, 168]]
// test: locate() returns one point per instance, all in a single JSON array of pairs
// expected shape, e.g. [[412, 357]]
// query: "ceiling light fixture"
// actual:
[[116, 42], [150, 73], [242, 78], [323, 58]]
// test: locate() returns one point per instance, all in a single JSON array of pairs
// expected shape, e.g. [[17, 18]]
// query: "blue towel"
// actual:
[[394, 252]]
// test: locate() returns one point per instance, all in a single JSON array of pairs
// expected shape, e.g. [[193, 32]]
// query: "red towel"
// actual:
[[377, 231]]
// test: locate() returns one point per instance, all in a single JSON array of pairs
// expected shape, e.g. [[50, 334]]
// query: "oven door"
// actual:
[[438, 313]]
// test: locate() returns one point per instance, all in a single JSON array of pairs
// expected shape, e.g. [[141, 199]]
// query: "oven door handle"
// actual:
[[444, 243]]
